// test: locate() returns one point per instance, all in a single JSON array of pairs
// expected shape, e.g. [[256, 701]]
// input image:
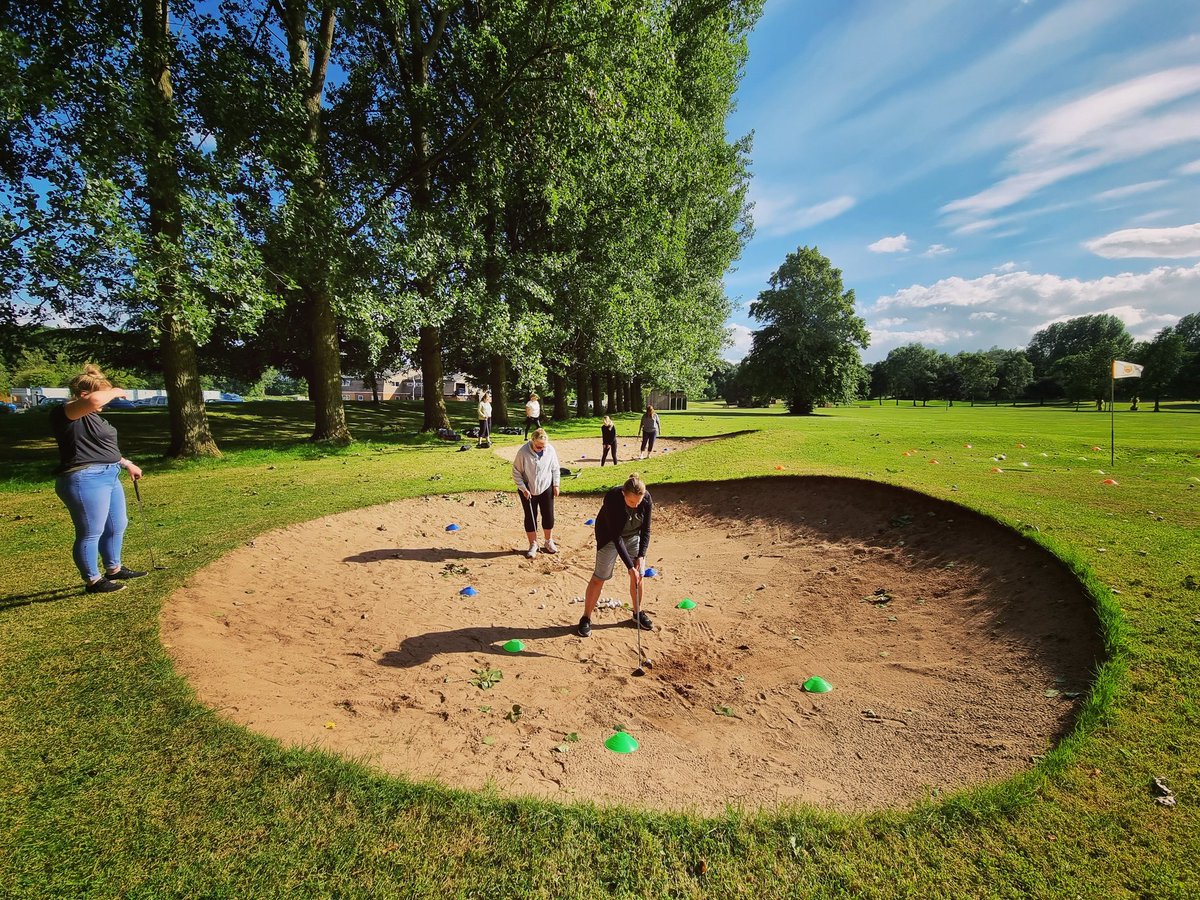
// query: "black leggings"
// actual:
[[604, 455], [648, 438], [485, 429], [532, 422], [544, 502]]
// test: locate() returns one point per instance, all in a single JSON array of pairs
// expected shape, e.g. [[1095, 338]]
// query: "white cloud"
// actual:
[[1153, 216], [896, 244], [1130, 189], [938, 250], [892, 323], [741, 338], [1009, 266], [1156, 243], [1007, 309], [1122, 122], [1192, 168], [779, 214]]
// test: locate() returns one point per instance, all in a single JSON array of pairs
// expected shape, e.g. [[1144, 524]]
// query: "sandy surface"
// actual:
[[350, 633]]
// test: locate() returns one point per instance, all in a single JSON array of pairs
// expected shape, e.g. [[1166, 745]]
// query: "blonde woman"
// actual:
[[536, 473], [649, 428], [608, 439], [622, 530], [485, 420], [533, 414], [89, 480]]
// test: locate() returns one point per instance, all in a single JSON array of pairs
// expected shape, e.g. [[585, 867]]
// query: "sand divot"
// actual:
[[956, 649]]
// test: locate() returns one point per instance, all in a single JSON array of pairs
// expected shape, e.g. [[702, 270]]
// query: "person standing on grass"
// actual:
[[536, 473], [89, 480], [533, 414], [649, 428], [485, 420], [608, 438], [622, 530]]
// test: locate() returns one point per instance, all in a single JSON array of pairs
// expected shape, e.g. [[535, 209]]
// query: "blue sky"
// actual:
[[978, 169]]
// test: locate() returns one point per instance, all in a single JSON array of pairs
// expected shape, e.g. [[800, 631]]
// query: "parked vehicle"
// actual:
[[119, 403], [6, 408], [230, 398]]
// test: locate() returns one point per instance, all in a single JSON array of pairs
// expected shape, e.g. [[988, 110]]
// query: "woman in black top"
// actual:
[[608, 437], [88, 483], [622, 530]]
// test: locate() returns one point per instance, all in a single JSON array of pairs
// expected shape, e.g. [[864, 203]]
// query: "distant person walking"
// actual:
[[649, 428], [89, 480], [485, 420], [608, 437], [533, 414], [536, 473], [622, 530]]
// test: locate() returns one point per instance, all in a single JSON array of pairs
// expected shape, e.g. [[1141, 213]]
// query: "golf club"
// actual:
[[137, 492], [637, 621]]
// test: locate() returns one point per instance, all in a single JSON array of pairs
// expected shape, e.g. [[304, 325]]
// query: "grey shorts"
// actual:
[[607, 556]]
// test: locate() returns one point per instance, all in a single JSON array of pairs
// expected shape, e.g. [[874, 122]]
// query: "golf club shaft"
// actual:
[[637, 619], [137, 492]]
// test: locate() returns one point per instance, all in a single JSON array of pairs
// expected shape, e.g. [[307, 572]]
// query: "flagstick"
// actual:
[[1112, 415]]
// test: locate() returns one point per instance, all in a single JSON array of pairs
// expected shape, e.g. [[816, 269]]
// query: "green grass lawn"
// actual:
[[115, 782]]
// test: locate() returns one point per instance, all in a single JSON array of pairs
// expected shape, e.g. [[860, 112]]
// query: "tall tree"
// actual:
[[1162, 358], [807, 350]]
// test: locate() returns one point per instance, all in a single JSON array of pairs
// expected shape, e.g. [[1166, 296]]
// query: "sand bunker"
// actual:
[[956, 649]]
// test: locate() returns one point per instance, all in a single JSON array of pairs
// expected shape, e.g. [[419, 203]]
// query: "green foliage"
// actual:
[[807, 350]]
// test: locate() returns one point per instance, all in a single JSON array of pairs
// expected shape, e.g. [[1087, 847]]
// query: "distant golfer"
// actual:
[[608, 437], [485, 420], [622, 529], [533, 414], [89, 480], [536, 473], [649, 428]]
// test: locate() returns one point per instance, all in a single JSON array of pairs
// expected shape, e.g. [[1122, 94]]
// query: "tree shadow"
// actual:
[[425, 554], [421, 648]]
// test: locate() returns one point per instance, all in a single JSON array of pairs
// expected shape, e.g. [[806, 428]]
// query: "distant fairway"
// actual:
[[114, 781]]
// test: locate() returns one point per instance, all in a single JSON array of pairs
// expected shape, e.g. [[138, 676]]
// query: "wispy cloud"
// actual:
[[1182, 242], [1130, 190], [1122, 122], [782, 214], [896, 244], [1009, 266], [937, 250], [1192, 168]]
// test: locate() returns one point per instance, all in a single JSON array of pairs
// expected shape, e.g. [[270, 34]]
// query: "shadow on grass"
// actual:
[[50, 596], [421, 648]]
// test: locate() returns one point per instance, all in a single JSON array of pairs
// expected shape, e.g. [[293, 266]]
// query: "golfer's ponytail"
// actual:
[[634, 486], [90, 379]]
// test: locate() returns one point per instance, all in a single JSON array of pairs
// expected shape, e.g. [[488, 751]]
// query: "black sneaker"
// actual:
[[104, 586], [641, 620], [585, 627], [123, 573]]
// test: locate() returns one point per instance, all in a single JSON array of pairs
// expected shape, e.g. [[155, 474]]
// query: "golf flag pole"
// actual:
[[1120, 369]]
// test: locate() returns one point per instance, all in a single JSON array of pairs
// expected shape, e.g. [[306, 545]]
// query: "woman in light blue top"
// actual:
[[536, 473]]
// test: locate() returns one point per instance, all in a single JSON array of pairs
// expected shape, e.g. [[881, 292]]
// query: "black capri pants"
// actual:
[[485, 429], [543, 502], [648, 439]]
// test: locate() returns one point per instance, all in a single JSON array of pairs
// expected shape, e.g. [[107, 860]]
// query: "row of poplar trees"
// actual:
[[534, 188]]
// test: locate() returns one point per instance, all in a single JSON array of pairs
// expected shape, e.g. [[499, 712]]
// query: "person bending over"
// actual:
[[622, 530], [536, 473], [89, 480], [608, 437]]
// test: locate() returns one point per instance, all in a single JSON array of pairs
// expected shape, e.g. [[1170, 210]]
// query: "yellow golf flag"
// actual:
[[1126, 369]]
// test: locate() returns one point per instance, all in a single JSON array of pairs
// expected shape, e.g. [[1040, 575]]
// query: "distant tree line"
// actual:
[[540, 193]]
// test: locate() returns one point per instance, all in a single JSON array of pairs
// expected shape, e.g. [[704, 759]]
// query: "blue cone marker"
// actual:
[[589, 522], [468, 591], [650, 573], [452, 527]]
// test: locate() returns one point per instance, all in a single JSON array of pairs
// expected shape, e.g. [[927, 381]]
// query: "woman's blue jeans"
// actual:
[[97, 504]]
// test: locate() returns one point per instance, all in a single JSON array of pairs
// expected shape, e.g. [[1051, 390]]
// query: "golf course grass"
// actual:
[[116, 782]]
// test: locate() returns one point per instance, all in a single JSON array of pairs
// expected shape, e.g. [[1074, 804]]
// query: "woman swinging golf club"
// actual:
[[622, 529]]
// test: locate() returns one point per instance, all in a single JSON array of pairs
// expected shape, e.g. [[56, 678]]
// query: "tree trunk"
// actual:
[[597, 401], [561, 410], [581, 401], [329, 413], [190, 434], [610, 390], [431, 373], [499, 389], [375, 388], [635, 401]]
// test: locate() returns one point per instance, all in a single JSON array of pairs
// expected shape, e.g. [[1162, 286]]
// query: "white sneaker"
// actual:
[[531, 552], [551, 547]]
